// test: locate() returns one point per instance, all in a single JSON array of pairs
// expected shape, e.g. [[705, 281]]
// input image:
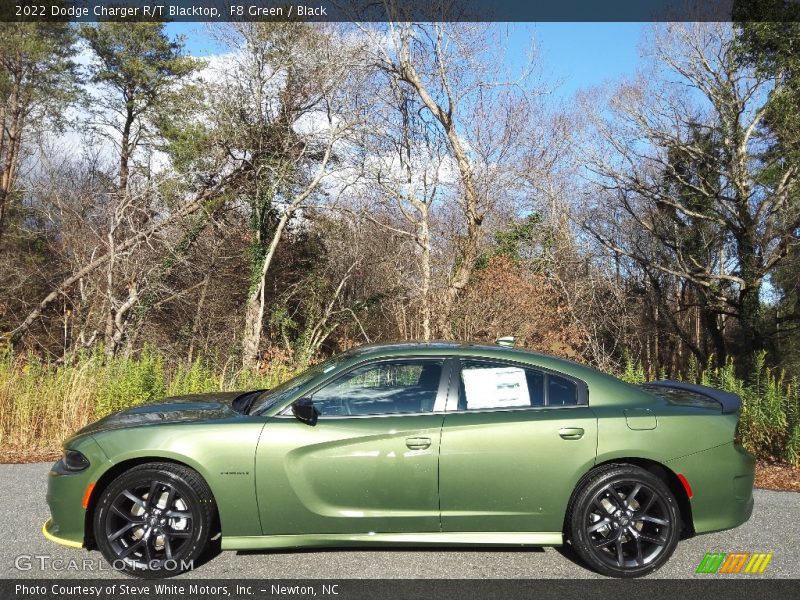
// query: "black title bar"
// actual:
[[393, 10], [712, 588]]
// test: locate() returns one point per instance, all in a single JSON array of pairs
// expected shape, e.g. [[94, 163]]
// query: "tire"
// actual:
[[154, 520], [624, 521]]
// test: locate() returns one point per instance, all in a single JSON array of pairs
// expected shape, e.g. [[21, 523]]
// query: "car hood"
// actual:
[[179, 409]]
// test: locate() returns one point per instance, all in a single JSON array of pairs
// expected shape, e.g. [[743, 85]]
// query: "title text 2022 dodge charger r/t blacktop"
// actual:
[[410, 444]]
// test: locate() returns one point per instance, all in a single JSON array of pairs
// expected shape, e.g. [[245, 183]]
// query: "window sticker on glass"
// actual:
[[502, 387]]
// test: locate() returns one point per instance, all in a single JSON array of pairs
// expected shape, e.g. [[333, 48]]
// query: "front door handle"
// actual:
[[571, 433], [418, 443]]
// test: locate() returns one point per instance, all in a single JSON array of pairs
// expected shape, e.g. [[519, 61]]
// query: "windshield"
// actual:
[[288, 388]]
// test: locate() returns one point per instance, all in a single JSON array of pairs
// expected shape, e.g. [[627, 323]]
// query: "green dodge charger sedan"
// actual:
[[409, 444]]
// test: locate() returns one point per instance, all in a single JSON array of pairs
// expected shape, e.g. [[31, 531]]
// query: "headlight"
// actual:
[[75, 461]]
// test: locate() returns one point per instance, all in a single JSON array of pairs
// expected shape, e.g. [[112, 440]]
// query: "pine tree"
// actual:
[[38, 77]]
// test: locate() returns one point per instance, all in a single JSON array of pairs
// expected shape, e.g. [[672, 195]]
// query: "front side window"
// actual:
[[499, 386], [392, 387], [275, 396]]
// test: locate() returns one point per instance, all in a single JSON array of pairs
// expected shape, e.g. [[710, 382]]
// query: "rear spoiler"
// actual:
[[729, 401]]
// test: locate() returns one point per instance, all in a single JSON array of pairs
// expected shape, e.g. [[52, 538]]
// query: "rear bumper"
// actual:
[[722, 482]]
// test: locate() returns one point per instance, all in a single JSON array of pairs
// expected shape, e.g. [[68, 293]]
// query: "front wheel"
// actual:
[[624, 522], [154, 520]]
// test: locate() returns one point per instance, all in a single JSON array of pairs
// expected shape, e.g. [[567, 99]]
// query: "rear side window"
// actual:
[[561, 392], [486, 385]]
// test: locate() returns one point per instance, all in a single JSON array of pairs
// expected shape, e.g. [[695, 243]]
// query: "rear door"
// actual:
[[369, 464], [515, 440]]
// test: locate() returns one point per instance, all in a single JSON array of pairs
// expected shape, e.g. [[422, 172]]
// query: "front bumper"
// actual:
[[50, 529], [722, 482], [65, 494]]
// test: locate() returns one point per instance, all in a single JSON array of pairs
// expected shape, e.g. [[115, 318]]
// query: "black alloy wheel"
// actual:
[[625, 522], [154, 520]]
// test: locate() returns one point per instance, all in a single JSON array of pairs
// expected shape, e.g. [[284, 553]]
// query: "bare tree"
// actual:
[[681, 181], [343, 280], [451, 72], [285, 105], [201, 200], [402, 162]]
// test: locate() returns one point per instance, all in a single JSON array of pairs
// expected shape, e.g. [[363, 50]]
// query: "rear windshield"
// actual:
[[681, 397]]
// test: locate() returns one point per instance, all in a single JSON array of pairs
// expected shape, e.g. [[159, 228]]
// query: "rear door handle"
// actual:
[[418, 443], [571, 433]]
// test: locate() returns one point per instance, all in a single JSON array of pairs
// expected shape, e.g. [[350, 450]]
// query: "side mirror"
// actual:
[[305, 411]]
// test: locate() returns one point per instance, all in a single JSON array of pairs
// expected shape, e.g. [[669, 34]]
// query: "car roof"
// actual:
[[457, 348], [469, 349], [415, 345]]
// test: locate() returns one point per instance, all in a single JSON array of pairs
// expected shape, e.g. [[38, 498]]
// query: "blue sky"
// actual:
[[581, 55], [574, 55]]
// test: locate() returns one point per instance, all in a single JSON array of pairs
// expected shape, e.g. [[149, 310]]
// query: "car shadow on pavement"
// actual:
[[212, 551], [537, 549], [567, 552]]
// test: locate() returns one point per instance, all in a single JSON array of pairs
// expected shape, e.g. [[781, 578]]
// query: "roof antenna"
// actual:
[[506, 342]]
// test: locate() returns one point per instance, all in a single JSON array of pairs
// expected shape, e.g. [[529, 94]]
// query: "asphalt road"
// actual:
[[774, 527]]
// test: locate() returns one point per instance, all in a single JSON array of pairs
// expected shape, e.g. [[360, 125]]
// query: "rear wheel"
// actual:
[[624, 522], [154, 520]]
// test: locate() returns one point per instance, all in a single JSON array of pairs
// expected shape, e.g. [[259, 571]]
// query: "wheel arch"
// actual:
[[118, 469], [667, 475]]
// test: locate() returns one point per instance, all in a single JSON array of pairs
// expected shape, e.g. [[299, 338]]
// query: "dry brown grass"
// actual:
[[41, 404]]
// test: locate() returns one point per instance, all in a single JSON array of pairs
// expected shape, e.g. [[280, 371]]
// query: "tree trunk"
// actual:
[[9, 156], [251, 340], [750, 338], [469, 245], [710, 324], [751, 272], [256, 302], [116, 316], [425, 286], [118, 320], [108, 338], [197, 317], [125, 154]]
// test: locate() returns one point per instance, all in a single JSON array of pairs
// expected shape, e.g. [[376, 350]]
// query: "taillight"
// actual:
[[685, 484]]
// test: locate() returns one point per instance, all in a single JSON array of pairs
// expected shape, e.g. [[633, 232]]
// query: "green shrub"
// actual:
[[127, 382], [634, 372], [769, 422]]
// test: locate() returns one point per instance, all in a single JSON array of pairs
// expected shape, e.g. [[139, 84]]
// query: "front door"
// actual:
[[512, 448], [369, 464]]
